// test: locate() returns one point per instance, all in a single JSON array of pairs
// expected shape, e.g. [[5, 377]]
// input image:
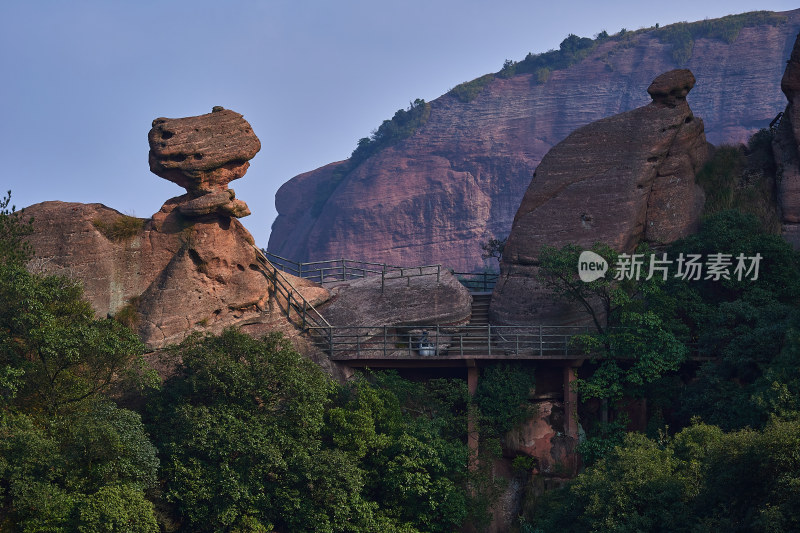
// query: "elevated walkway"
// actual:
[[415, 345]]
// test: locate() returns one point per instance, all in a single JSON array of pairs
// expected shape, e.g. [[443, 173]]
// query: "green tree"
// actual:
[[58, 474], [744, 326], [13, 230], [54, 353], [633, 344], [701, 480]]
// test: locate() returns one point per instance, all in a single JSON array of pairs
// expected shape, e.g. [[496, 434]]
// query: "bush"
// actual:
[[469, 90], [123, 227]]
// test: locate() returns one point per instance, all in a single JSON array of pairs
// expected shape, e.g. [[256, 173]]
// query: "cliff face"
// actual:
[[458, 181]]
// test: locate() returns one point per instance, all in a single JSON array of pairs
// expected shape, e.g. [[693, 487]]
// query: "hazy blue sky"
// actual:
[[81, 81]]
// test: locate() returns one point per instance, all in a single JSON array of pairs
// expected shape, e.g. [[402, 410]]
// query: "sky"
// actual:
[[81, 81]]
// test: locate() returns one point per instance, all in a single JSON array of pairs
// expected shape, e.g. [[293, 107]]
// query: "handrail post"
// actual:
[[384, 340], [436, 350], [330, 340], [489, 337], [541, 342], [304, 314]]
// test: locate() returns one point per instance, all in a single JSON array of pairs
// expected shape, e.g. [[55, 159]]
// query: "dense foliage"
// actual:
[[743, 178], [254, 438], [69, 459], [702, 479]]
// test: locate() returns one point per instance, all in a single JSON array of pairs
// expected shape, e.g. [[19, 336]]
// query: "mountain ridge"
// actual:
[[457, 180]]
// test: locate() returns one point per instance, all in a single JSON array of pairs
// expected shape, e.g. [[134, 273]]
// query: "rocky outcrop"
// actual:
[[786, 147], [192, 266], [621, 180], [458, 181]]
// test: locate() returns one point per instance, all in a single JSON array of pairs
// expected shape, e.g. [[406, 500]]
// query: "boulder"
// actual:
[[436, 297], [621, 180], [671, 87]]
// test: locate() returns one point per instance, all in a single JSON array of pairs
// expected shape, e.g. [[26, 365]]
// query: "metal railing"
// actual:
[[338, 270], [298, 310], [402, 342], [478, 281]]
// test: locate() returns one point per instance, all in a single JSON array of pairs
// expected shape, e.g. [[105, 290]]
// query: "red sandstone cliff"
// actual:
[[435, 196]]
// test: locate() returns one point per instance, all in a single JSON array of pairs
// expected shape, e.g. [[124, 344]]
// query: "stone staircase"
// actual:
[[480, 309]]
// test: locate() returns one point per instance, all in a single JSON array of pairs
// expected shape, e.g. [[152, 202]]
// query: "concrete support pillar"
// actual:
[[472, 418], [570, 402]]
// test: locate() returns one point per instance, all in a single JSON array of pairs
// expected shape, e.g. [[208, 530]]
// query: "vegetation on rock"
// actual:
[[682, 35], [402, 125], [123, 227]]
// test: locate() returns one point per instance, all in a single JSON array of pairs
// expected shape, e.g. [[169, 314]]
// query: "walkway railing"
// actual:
[[298, 310], [403, 342], [338, 270], [478, 281]]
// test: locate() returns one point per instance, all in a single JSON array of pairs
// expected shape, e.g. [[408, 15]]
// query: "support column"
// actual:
[[472, 422], [570, 402]]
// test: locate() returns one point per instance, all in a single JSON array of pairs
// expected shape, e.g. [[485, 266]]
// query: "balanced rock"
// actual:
[[621, 180], [204, 154], [671, 87]]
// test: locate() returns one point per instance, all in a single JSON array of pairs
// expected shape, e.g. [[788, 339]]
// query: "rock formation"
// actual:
[[192, 266], [619, 181], [786, 147], [437, 195]]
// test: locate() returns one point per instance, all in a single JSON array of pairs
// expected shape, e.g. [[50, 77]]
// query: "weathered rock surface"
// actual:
[[786, 147], [408, 301], [620, 180], [434, 197], [542, 437], [203, 154], [178, 276]]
